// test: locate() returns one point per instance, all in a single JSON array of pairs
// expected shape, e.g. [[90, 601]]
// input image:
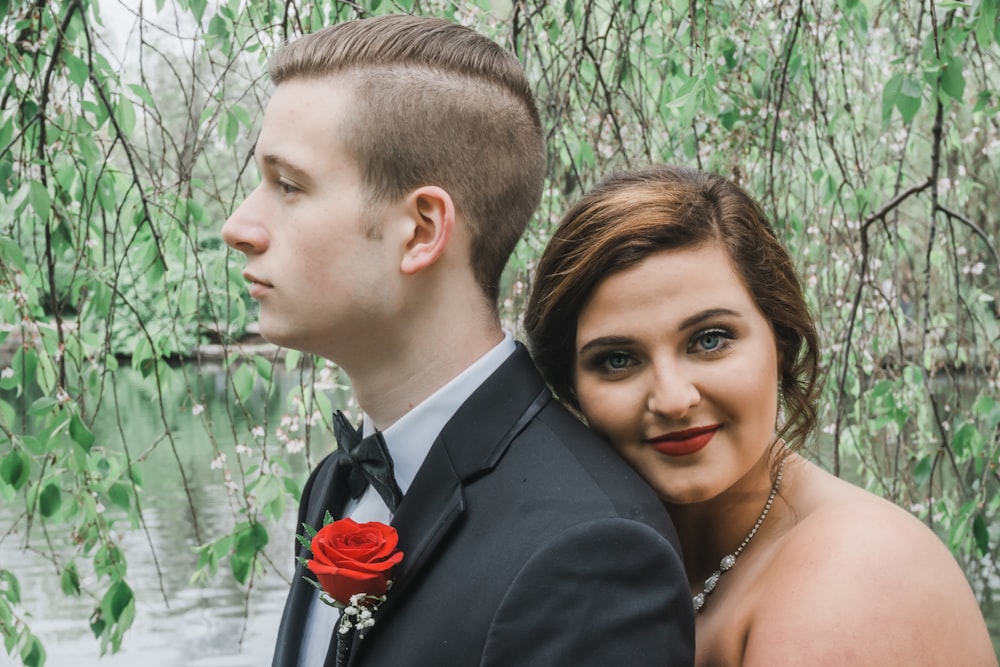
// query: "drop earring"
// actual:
[[779, 422]]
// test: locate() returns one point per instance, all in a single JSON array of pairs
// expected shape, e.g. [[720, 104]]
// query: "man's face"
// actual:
[[322, 283]]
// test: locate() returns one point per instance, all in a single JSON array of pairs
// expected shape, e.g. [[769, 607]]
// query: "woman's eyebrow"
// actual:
[[606, 341], [708, 314]]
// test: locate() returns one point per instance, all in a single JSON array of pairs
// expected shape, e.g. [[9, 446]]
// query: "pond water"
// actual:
[[179, 623]]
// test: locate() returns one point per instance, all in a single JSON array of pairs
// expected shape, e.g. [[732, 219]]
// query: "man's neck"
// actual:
[[400, 381]]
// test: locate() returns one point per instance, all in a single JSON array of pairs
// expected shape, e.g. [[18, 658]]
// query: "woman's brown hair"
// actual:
[[632, 215]]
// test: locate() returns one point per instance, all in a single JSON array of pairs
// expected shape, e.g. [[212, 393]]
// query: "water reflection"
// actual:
[[178, 623]]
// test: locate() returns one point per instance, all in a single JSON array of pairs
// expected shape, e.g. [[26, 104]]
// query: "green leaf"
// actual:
[[243, 382], [69, 580], [218, 27], [97, 623], [40, 200], [198, 8], [263, 367], [240, 567], [10, 253], [78, 71], [12, 588], [981, 534], [15, 469], [909, 99], [922, 471], [43, 406], [80, 434], [984, 405], [890, 93], [986, 22], [952, 79], [117, 599], [120, 495], [49, 500], [125, 115], [966, 442], [143, 95], [33, 653]]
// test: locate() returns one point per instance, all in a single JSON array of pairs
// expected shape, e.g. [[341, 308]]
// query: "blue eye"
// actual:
[[617, 361], [710, 341]]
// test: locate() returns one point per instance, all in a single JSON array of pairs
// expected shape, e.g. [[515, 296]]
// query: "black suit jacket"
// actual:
[[527, 541]]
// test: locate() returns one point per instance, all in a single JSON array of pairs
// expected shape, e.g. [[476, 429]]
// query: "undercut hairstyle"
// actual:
[[435, 103], [632, 215]]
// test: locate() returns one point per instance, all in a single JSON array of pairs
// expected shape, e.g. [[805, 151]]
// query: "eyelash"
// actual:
[[600, 363], [725, 335], [287, 188]]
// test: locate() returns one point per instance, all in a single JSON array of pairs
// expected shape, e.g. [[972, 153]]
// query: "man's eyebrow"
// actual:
[[277, 161]]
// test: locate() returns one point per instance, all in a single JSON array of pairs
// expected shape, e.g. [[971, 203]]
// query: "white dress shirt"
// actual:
[[408, 440]]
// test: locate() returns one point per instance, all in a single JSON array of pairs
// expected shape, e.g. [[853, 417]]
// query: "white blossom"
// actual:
[[218, 461]]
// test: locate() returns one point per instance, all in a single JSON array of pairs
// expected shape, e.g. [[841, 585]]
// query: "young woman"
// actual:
[[666, 311]]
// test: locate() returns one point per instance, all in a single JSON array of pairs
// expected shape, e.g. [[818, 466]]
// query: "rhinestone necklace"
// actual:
[[729, 560]]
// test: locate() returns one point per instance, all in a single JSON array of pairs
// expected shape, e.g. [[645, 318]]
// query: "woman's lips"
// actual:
[[682, 443]]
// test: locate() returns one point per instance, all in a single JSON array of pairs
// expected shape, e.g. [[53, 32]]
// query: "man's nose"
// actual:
[[244, 230]]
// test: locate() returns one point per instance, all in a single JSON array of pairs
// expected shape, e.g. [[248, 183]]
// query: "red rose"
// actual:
[[351, 558]]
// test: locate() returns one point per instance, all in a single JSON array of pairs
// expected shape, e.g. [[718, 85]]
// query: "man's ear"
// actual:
[[432, 214]]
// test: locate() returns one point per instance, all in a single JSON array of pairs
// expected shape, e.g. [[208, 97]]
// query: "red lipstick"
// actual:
[[682, 443]]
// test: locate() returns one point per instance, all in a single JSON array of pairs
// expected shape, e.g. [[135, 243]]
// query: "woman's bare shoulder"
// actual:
[[857, 580]]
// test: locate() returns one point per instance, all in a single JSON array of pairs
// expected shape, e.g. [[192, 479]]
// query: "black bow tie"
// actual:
[[369, 461]]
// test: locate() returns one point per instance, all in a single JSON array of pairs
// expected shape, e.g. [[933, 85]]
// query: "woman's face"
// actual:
[[678, 368]]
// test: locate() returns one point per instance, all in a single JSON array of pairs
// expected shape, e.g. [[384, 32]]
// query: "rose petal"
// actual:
[[351, 558]]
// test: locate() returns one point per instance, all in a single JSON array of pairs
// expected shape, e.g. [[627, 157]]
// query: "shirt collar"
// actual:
[[411, 436]]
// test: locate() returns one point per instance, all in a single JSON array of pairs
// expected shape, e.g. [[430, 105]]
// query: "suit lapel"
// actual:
[[469, 446], [326, 489]]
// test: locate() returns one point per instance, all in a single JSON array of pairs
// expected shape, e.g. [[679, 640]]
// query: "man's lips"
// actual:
[[257, 286], [682, 443]]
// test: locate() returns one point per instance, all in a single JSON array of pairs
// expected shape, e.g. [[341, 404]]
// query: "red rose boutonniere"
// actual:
[[353, 562]]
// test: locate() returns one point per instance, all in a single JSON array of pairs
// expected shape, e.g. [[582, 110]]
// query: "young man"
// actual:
[[401, 159]]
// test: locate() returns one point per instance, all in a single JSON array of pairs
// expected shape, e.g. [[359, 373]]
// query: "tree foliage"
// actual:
[[868, 129]]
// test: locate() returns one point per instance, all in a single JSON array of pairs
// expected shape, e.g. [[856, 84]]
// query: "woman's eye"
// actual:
[[714, 340], [287, 188], [617, 362], [710, 341]]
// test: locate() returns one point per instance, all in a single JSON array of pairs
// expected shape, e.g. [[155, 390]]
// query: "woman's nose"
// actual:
[[672, 393]]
